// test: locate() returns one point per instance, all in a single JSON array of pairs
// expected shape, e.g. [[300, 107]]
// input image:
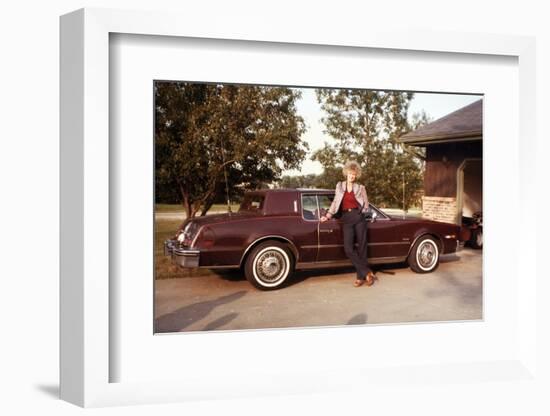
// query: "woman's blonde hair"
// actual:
[[352, 165]]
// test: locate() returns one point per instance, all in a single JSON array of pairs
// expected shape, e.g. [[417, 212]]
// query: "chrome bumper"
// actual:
[[184, 257]]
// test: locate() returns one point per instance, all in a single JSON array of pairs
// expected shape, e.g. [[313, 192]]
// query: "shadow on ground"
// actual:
[[232, 275], [182, 318], [449, 258], [303, 275], [358, 319], [221, 321]]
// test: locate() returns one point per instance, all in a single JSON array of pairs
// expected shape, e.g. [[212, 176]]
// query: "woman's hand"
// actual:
[[323, 219]]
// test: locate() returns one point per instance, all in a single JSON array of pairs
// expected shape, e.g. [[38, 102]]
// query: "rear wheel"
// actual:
[[476, 241], [268, 265], [424, 256]]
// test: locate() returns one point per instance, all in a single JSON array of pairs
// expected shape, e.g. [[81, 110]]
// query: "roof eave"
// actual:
[[426, 140]]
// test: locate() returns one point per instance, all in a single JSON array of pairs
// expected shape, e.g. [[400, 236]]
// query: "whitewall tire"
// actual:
[[268, 265], [424, 255]]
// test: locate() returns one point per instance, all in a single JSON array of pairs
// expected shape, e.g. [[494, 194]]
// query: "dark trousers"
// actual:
[[355, 229]]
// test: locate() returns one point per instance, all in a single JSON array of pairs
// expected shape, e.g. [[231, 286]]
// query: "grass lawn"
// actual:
[[165, 229]]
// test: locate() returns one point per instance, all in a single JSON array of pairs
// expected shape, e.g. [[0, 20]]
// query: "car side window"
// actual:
[[309, 207], [252, 202], [324, 203]]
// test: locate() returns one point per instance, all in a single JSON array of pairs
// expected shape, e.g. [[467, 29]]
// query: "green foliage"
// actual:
[[205, 132], [366, 126], [300, 181]]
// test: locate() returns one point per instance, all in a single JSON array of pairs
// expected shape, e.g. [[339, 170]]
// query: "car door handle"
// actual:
[[325, 231]]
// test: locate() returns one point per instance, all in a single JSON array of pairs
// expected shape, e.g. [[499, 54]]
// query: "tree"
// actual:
[[205, 133], [299, 181], [366, 125]]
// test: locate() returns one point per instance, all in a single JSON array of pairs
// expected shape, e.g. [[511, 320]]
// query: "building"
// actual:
[[453, 179]]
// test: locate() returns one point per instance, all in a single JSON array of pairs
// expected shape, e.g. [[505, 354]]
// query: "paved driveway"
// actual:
[[314, 298]]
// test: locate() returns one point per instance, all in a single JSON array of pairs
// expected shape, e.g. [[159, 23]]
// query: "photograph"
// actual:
[[298, 207]]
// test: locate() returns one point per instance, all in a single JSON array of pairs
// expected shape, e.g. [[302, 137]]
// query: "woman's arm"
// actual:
[[365, 198], [333, 206]]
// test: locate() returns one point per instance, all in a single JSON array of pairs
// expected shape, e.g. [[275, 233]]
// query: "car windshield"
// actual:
[[252, 203], [379, 213]]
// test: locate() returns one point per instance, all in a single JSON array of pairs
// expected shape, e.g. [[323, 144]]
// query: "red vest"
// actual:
[[349, 201]]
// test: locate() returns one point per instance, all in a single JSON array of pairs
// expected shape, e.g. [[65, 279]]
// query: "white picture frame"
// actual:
[[85, 165]]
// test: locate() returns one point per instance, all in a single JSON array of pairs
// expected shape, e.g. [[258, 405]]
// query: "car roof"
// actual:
[[291, 190], [314, 190]]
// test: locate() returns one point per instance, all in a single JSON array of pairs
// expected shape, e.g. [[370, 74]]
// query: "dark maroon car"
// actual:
[[278, 231]]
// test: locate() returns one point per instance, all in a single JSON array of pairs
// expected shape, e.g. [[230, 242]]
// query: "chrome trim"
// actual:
[[184, 257], [231, 266], [389, 243], [318, 226], [322, 264], [295, 251], [368, 244], [387, 258], [196, 235], [343, 263], [393, 259], [302, 204], [422, 235], [185, 253]]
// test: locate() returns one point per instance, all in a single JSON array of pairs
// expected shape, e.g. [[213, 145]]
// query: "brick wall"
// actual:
[[439, 208]]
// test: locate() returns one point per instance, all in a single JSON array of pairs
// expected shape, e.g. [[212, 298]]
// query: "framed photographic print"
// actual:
[[245, 178], [135, 328]]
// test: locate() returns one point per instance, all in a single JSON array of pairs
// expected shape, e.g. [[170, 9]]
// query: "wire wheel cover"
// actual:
[[270, 266], [427, 254]]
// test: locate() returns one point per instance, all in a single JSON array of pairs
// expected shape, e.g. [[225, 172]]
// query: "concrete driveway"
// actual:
[[323, 297]]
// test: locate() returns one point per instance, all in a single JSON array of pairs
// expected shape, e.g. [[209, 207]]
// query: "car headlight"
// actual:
[[181, 237], [185, 236]]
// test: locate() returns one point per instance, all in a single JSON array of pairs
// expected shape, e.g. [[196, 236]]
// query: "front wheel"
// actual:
[[269, 265], [424, 256]]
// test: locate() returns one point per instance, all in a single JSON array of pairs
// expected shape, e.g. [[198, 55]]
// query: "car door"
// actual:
[[331, 241], [307, 233], [380, 235]]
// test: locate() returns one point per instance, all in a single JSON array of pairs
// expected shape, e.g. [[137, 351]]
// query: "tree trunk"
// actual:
[[207, 205], [185, 201]]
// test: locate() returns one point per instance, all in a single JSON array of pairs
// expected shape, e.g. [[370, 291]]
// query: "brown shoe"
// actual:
[[359, 282], [371, 278]]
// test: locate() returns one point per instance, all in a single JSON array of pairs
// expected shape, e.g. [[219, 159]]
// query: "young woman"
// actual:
[[351, 198]]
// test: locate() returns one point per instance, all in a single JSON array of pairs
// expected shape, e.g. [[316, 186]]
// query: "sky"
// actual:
[[436, 105]]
